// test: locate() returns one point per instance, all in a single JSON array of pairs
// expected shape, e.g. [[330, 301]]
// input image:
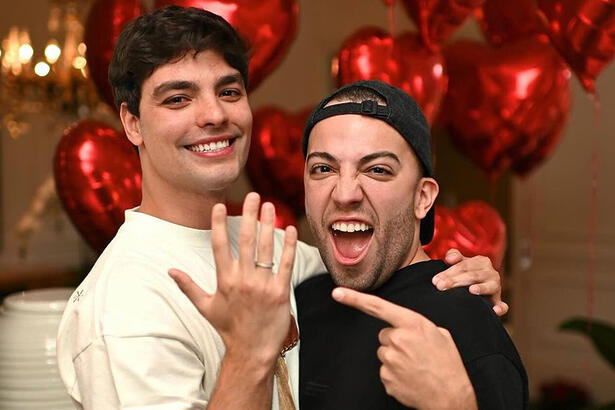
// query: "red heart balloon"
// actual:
[[103, 26], [583, 31], [98, 176], [269, 26], [275, 164], [506, 107], [437, 19], [372, 54], [503, 20], [475, 228], [284, 216]]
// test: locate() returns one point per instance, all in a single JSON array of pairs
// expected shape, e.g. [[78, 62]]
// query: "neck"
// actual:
[[416, 254], [183, 208]]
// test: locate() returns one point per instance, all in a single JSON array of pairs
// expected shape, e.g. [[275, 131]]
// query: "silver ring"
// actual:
[[264, 265]]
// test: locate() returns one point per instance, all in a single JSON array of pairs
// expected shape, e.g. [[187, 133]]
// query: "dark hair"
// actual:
[[358, 95], [166, 35]]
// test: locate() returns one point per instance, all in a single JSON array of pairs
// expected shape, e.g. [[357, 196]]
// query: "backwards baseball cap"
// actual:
[[400, 112]]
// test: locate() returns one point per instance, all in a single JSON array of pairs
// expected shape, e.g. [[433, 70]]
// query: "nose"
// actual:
[[347, 192], [210, 112]]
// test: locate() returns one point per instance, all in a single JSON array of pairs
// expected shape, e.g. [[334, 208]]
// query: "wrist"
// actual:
[[259, 364], [453, 397]]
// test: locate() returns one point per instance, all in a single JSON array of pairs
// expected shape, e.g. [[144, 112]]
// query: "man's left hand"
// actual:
[[478, 273]]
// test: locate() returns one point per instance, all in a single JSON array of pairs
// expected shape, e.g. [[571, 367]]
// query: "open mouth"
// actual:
[[351, 240], [212, 147]]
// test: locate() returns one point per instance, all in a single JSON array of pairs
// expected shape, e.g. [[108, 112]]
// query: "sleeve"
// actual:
[[145, 356], [497, 382]]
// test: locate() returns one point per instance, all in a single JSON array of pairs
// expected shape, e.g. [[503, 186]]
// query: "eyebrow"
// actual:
[[229, 79], [379, 154], [192, 86], [174, 85], [320, 154], [368, 158]]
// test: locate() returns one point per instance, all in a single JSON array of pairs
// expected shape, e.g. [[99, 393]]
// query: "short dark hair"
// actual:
[[358, 95], [166, 35]]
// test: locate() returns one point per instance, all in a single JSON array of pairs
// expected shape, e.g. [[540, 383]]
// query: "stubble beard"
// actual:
[[393, 243]]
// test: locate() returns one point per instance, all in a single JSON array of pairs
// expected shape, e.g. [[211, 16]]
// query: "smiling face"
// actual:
[[364, 199], [193, 129]]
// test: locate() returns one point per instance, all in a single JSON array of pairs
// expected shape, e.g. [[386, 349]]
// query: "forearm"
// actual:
[[457, 397], [243, 384]]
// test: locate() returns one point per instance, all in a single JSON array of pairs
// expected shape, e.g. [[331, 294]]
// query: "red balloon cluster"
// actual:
[[506, 107], [475, 228], [437, 19], [269, 26], [98, 176], [372, 54], [583, 31], [104, 24], [275, 164], [503, 20]]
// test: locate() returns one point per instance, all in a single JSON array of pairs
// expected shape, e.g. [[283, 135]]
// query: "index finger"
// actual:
[[379, 308]]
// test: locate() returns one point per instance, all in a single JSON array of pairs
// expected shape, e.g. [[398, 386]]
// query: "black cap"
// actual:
[[400, 112]]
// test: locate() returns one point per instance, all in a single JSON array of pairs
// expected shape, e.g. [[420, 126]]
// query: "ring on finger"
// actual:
[[265, 265]]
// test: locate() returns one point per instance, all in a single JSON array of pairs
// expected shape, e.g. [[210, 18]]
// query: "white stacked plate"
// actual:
[[29, 377]]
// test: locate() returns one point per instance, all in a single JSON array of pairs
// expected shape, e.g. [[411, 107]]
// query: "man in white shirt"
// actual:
[[129, 337]]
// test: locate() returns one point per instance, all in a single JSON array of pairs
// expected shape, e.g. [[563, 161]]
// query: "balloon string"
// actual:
[[592, 226]]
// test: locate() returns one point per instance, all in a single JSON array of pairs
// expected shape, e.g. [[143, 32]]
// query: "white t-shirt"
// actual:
[[130, 339]]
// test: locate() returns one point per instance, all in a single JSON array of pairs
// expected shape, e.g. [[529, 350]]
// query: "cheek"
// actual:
[[317, 195]]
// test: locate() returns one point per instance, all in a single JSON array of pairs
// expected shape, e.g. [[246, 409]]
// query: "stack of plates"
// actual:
[[29, 377]]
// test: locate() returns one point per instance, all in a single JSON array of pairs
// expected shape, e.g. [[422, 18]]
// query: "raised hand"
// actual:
[[421, 366], [478, 273], [250, 308]]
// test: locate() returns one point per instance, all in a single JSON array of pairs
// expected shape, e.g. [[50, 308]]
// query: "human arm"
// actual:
[[415, 352], [476, 272], [250, 308]]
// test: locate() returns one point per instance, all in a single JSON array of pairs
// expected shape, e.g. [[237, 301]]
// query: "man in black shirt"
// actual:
[[369, 201]]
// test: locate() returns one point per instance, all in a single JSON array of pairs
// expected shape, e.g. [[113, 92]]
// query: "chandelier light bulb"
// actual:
[[52, 52], [25, 53], [79, 62], [41, 69]]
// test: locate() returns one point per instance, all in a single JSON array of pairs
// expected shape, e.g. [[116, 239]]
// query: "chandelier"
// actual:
[[53, 80]]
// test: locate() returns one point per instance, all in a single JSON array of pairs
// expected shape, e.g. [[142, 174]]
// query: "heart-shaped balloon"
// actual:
[[98, 176], [437, 19], [284, 216], [503, 20], [275, 164], [269, 27], [475, 228], [506, 107], [372, 54], [103, 26], [583, 31]]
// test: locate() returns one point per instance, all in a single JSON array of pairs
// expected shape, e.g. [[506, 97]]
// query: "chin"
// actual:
[[353, 278]]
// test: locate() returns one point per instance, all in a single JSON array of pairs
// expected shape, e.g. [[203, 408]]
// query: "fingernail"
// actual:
[[435, 280], [474, 289], [337, 294]]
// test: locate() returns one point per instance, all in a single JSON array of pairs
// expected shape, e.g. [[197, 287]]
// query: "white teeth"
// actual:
[[350, 227], [213, 146]]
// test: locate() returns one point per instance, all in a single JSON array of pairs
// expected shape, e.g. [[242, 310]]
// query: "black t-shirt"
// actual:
[[339, 368]]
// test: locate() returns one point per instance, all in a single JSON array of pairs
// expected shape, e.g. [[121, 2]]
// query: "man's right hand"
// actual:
[[250, 308], [421, 366]]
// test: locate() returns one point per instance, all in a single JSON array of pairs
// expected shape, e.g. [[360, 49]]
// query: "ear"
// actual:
[[131, 124], [426, 193]]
